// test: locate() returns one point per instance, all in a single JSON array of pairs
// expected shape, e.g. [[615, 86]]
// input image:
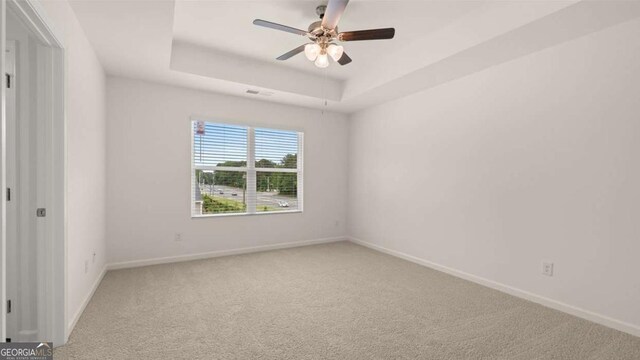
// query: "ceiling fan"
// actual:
[[324, 35]]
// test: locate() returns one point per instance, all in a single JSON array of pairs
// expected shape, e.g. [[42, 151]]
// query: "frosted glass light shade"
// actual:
[[311, 51], [322, 61], [335, 51]]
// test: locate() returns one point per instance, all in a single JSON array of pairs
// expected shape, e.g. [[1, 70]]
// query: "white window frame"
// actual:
[[251, 170]]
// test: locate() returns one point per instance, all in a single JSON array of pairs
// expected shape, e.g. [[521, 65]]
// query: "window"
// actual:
[[244, 170]]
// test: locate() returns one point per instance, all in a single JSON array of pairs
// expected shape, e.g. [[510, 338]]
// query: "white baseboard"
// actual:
[[213, 254], [557, 305], [84, 304]]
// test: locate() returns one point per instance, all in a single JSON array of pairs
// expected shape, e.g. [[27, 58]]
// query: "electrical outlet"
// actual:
[[547, 268], [178, 237], [86, 266]]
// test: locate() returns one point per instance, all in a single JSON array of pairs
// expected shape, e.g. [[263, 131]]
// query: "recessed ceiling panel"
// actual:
[[227, 26]]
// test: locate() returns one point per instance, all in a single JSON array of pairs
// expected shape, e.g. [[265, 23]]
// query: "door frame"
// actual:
[[52, 108]]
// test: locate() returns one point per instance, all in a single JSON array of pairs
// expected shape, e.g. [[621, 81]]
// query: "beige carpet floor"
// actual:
[[332, 301]]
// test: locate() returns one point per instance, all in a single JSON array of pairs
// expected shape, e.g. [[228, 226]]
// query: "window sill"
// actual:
[[246, 214]]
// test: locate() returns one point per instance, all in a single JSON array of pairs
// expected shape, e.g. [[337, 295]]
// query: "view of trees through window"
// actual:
[[222, 181]]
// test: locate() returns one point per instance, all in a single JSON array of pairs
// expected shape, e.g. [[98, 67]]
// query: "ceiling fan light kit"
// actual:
[[311, 51], [322, 61], [335, 51], [324, 34]]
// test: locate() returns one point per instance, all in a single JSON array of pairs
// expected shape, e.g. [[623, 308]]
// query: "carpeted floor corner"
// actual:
[[332, 301]]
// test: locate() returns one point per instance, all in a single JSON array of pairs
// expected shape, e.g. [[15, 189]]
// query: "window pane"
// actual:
[[220, 192], [276, 148], [276, 191], [219, 150], [219, 144]]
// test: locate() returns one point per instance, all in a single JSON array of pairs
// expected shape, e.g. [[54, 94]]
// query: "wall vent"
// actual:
[[260, 92]]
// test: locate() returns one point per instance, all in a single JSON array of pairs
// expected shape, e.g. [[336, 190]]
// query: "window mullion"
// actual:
[[251, 172], [300, 167]]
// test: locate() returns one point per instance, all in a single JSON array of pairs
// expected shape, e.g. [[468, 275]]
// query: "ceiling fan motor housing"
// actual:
[[317, 32]]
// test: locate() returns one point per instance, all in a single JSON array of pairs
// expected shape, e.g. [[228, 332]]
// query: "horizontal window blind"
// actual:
[[245, 170], [219, 145]]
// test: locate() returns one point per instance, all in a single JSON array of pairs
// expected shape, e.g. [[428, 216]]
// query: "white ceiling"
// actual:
[[213, 45], [227, 25]]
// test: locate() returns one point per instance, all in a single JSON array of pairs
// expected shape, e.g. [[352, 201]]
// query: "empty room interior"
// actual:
[[325, 179]]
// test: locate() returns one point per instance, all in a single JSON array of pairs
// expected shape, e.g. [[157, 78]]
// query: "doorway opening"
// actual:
[[33, 167]]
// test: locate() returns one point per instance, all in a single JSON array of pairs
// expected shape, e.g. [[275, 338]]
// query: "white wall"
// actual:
[[149, 181], [86, 158], [535, 159]]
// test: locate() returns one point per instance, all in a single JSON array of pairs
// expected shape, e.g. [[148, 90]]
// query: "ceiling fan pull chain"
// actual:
[[324, 90]]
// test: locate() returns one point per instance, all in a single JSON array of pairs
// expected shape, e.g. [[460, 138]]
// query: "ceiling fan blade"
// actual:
[[333, 13], [344, 59], [373, 34], [293, 52], [280, 27]]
